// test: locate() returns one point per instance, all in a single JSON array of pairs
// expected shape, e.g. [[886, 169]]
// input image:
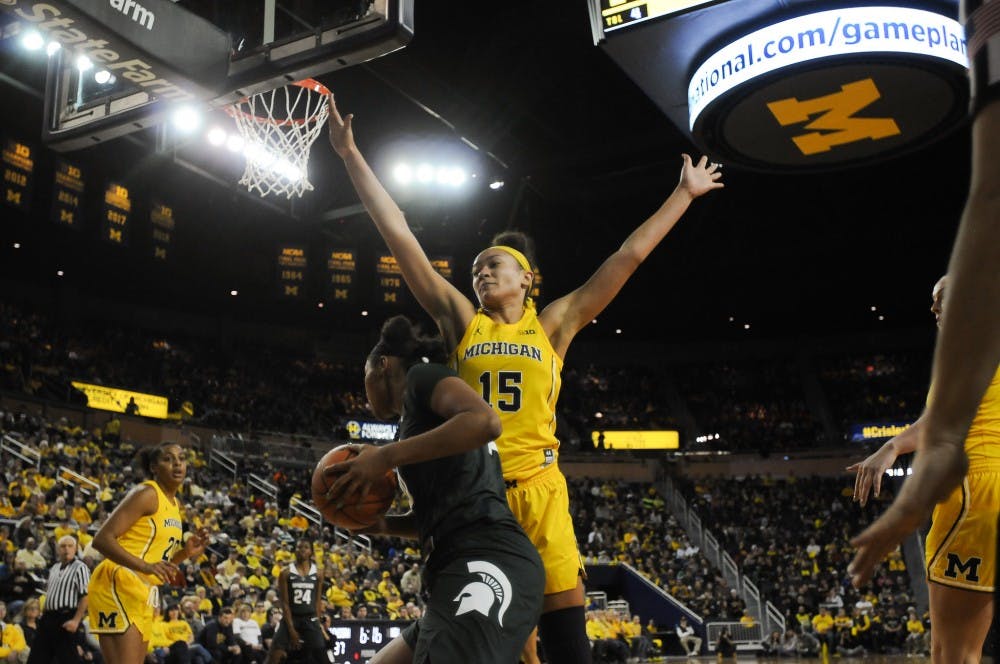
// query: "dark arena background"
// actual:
[[780, 333]]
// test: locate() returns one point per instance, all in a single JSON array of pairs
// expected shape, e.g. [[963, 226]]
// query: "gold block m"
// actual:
[[835, 124]]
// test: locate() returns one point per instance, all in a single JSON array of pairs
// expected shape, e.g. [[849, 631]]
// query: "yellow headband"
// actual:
[[518, 256]]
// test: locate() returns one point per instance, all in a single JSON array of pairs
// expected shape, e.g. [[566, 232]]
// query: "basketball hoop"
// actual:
[[278, 129]]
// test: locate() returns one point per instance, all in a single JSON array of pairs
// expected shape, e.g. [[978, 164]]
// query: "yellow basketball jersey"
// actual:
[[983, 441], [155, 537], [515, 369]]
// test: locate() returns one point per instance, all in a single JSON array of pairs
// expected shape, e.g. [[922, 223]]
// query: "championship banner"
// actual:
[[117, 210], [67, 195], [291, 271], [123, 401], [342, 268], [536, 284], [390, 280], [18, 170], [161, 218], [444, 266], [636, 440]]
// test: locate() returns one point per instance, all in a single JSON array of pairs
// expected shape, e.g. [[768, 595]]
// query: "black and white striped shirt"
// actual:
[[67, 584]]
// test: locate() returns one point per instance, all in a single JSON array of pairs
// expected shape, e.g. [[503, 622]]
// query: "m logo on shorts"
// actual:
[[480, 596], [968, 568], [107, 620]]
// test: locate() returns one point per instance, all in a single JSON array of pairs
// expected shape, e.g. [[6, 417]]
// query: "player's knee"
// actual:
[[563, 634]]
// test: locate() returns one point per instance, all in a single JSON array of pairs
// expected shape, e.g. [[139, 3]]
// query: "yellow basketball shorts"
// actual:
[[962, 541], [119, 597], [541, 505]]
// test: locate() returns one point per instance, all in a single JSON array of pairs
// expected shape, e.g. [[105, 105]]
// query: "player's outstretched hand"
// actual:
[[870, 472], [357, 474], [341, 134], [937, 470], [700, 178]]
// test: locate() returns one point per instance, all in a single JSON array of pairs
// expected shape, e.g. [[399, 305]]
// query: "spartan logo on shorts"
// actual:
[[493, 587]]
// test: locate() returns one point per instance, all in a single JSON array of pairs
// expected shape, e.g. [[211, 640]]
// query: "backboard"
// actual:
[[120, 66]]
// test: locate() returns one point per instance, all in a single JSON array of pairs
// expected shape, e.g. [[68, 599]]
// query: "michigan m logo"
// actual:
[[836, 124], [107, 620], [969, 568]]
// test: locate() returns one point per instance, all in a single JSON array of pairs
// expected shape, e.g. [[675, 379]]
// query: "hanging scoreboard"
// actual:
[[616, 14], [115, 218], [67, 195], [161, 219], [291, 270], [390, 280], [18, 171], [341, 268]]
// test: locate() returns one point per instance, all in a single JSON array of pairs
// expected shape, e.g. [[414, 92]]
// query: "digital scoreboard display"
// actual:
[[18, 173], [117, 210], [616, 14], [67, 195], [357, 641], [291, 270], [342, 268]]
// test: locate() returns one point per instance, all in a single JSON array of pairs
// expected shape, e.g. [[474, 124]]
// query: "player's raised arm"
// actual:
[[445, 303], [566, 316]]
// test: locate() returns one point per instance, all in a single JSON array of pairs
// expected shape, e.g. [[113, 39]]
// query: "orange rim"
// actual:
[[308, 83]]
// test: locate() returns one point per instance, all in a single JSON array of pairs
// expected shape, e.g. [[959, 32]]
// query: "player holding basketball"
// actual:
[[142, 543], [300, 587], [484, 576], [522, 386], [962, 540]]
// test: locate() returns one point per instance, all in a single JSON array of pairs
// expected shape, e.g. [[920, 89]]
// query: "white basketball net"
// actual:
[[278, 129]]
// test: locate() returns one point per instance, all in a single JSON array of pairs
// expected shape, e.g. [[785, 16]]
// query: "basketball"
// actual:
[[359, 513]]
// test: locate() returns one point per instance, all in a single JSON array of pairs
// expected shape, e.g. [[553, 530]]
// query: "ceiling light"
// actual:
[[53, 48], [403, 174], [32, 40], [234, 143], [216, 136], [83, 63], [496, 184], [104, 77], [187, 119]]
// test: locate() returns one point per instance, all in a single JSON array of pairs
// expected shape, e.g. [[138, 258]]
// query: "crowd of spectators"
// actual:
[[234, 385], [758, 406], [253, 537], [882, 387], [791, 537]]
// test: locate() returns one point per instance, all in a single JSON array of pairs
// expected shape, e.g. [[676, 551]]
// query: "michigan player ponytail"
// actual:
[[400, 338]]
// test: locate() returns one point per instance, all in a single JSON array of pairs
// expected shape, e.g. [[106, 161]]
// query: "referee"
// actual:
[[59, 630]]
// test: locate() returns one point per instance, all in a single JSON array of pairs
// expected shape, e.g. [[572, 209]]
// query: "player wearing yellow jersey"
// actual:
[[513, 356], [961, 544], [142, 543]]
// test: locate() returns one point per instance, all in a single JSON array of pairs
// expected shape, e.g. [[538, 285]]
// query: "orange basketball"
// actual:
[[359, 513]]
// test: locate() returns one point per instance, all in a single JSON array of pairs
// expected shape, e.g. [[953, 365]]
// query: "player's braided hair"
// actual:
[[401, 338]]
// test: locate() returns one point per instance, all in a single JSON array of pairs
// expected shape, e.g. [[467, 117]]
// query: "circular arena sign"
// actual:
[[832, 89]]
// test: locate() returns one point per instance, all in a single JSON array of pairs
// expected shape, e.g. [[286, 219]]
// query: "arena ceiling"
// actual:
[[585, 156]]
